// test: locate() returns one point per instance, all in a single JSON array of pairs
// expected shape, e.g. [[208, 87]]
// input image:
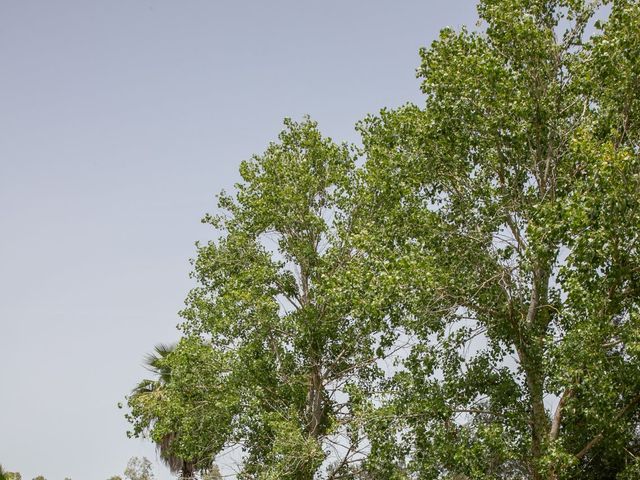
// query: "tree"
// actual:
[[507, 211], [139, 469], [466, 305], [212, 474], [188, 377], [145, 399], [267, 298]]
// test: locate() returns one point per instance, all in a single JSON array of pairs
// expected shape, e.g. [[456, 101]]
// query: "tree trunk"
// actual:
[[188, 471], [531, 353], [315, 407]]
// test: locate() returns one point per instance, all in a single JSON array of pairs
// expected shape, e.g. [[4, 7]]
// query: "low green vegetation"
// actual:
[[457, 298]]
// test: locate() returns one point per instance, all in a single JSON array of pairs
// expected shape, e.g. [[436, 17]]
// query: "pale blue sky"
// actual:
[[119, 121]]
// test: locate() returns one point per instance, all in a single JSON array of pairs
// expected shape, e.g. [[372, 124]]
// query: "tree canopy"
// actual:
[[458, 297]]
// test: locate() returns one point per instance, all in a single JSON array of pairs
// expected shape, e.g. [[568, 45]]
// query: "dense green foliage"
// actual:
[[186, 379], [464, 303]]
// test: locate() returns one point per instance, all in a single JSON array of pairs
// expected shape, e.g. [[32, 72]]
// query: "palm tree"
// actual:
[[156, 363]]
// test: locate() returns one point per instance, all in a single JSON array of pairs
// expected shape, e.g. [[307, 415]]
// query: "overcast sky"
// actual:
[[119, 121]]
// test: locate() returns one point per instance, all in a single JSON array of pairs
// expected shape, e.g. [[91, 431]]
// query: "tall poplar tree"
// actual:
[[506, 210], [266, 297]]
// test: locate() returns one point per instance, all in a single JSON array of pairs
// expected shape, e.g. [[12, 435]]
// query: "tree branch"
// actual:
[[598, 438], [557, 416]]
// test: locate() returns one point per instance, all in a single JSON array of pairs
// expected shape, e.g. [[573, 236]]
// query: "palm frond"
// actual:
[[155, 362]]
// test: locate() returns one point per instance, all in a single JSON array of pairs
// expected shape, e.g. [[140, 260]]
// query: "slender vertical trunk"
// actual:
[[539, 421], [314, 401], [314, 416], [314, 408], [531, 353]]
